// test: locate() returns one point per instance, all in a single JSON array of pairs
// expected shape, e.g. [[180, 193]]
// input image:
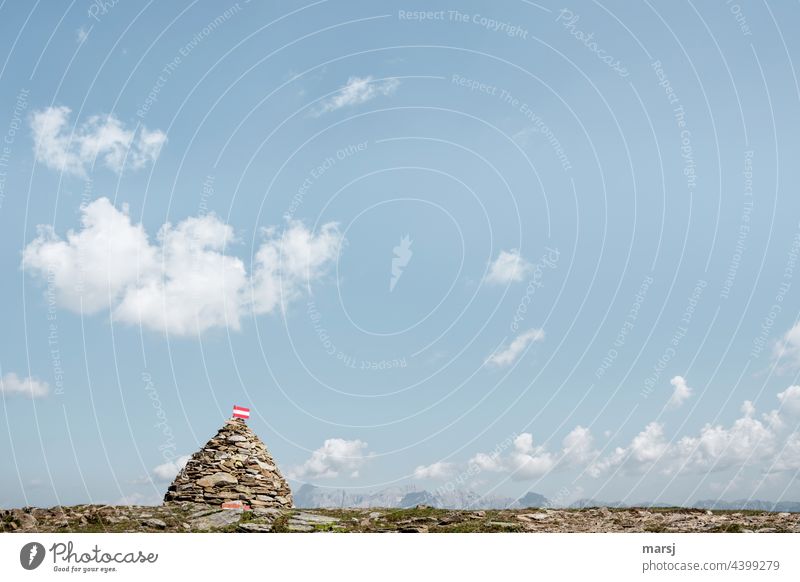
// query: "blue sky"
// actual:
[[504, 248]]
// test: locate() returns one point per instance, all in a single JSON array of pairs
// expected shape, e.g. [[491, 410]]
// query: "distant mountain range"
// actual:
[[736, 504], [756, 504], [317, 497], [312, 497]]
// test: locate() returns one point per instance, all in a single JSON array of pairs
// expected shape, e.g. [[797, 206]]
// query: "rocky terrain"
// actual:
[[191, 517]]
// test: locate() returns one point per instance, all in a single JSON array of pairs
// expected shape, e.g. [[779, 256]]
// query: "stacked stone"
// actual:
[[233, 466]]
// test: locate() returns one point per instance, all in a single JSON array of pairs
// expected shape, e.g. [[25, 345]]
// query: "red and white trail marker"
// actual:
[[241, 412]]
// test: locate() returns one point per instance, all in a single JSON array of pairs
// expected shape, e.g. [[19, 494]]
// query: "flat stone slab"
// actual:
[[267, 512], [216, 479], [255, 527], [313, 518], [217, 520]]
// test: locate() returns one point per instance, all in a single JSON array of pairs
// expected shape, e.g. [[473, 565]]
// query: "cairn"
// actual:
[[234, 467]]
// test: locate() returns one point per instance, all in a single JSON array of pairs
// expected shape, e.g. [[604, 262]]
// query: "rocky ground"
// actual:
[[190, 517]]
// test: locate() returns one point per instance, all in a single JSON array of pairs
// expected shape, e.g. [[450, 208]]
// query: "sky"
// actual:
[[502, 247]]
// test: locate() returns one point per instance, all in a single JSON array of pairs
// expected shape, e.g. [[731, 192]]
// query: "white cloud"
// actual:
[[527, 460], [287, 262], [508, 267], [747, 441], [438, 470], [358, 90], [487, 462], [333, 458], [169, 470], [788, 458], [770, 441], [649, 445], [193, 286], [578, 446], [93, 267], [102, 138], [138, 498], [787, 349], [790, 400], [13, 385], [680, 393], [185, 283], [507, 355]]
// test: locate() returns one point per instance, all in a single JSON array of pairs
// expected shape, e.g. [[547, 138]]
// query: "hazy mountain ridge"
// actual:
[[751, 504], [313, 497]]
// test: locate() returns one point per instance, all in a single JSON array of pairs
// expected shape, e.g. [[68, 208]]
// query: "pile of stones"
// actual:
[[234, 467]]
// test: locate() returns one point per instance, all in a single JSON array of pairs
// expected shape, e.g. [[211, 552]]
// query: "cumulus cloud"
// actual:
[[169, 470], [680, 393], [487, 462], [578, 447], [438, 470], [184, 283], [788, 457], [102, 138], [193, 286], [507, 355], [92, 267], [335, 457], [508, 267], [287, 262], [527, 460], [786, 351], [137, 498], [358, 90], [749, 440], [770, 441], [13, 385], [790, 400]]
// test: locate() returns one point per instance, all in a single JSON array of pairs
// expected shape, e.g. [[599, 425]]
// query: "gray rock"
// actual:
[[413, 529], [23, 519], [217, 520], [155, 523], [216, 479], [313, 518], [255, 527], [266, 512]]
